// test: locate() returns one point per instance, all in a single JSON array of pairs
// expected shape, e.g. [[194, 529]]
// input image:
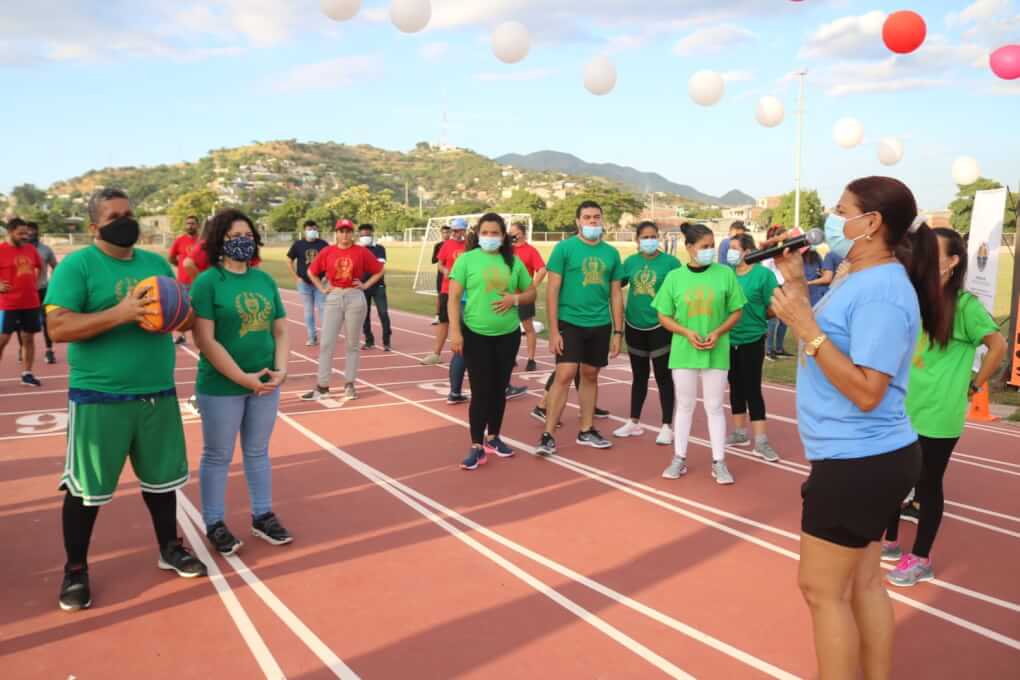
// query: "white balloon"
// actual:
[[600, 76], [890, 151], [770, 111], [966, 170], [410, 16], [511, 42], [706, 87], [848, 132], [340, 10]]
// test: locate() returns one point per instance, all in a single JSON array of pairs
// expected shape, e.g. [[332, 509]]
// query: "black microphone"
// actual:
[[811, 238]]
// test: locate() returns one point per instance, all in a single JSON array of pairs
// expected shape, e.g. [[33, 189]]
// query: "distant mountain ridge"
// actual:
[[635, 180]]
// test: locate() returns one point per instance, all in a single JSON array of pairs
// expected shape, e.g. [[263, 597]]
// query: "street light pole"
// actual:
[[800, 135]]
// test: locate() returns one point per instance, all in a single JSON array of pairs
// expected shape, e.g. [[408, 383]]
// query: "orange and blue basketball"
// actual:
[[169, 307]]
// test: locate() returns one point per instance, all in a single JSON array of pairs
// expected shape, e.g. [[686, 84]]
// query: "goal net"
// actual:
[[425, 272]]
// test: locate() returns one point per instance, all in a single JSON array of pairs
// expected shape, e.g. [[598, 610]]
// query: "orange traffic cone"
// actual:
[[979, 410]]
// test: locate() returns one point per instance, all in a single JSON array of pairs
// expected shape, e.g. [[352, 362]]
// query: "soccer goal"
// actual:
[[425, 272]]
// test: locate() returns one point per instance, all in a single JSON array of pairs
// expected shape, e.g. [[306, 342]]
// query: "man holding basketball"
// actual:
[[122, 402]]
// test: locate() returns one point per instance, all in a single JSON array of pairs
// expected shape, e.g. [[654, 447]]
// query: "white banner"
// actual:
[[984, 245]]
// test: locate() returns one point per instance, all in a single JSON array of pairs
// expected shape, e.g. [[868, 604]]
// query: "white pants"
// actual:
[[345, 310], [713, 385]]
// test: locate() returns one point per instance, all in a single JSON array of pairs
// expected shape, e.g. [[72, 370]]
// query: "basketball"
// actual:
[[170, 306]]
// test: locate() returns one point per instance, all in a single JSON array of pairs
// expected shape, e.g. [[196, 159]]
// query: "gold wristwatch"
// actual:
[[812, 347]]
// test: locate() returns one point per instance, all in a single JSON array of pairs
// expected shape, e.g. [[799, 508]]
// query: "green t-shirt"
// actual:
[[939, 377], [485, 279], [644, 277], [243, 307], [588, 272], [701, 302], [758, 285], [125, 359]]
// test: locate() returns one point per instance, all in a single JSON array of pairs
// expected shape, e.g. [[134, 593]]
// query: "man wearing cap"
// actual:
[[339, 271], [448, 254]]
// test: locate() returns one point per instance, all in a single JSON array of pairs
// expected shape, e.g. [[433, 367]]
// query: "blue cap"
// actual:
[[459, 224]]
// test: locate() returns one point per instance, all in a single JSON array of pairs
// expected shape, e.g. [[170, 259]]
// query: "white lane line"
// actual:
[[251, 636], [986, 460], [416, 501], [289, 619]]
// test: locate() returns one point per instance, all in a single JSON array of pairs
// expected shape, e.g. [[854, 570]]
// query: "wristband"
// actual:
[[617, 332]]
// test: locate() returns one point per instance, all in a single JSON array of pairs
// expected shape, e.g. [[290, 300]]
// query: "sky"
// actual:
[[97, 83]]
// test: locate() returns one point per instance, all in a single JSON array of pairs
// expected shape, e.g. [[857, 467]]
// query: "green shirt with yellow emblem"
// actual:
[[644, 277], [588, 271], [486, 278]]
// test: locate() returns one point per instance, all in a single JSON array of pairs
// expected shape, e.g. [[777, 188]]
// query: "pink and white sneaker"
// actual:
[[910, 571]]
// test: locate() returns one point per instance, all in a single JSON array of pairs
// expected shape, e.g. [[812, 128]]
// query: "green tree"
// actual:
[[765, 219], [522, 201], [467, 207], [288, 217], [28, 195], [704, 213], [812, 214], [201, 203], [563, 215], [963, 206]]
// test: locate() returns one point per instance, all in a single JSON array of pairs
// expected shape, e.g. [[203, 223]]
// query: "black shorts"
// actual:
[[444, 309], [585, 345], [526, 311], [849, 502], [24, 320], [653, 343]]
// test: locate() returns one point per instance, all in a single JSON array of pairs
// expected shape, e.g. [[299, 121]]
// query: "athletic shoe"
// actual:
[[431, 360], [349, 393], [538, 413], [593, 439], [435, 321], [453, 399], [771, 356], [665, 437], [311, 343], [547, 446], [677, 468], [268, 528], [316, 394], [601, 412], [181, 340], [531, 365], [911, 512], [721, 473], [175, 557], [75, 593], [51, 358], [387, 348], [513, 392], [783, 354], [891, 551], [221, 539], [910, 571], [737, 437], [368, 345], [29, 380], [497, 447], [474, 459], [629, 429], [765, 450]]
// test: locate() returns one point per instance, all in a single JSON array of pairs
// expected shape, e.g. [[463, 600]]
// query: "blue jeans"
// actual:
[[377, 294], [776, 336], [222, 419], [313, 300], [457, 370]]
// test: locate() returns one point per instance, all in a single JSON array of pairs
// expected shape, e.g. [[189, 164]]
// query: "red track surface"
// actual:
[[586, 565]]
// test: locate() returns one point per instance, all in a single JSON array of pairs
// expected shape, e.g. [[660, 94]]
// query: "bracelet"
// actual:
[[617, 332]]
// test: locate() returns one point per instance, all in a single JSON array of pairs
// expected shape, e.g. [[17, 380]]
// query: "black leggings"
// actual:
[[490, 362], [935, 455], [745, 379], [79, 519], [644, 348]]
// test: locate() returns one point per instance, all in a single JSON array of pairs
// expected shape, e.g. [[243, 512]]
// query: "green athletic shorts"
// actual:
[[100, 437]]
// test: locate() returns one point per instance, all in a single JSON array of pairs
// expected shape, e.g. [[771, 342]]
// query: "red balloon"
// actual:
[[904, 31], [1005, 62]]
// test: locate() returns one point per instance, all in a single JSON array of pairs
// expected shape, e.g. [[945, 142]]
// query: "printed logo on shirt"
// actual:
[[922, 345], [310, 256], [699, 302], [495, 279], [23, 266], [594, 272], [344, 269], [644, 282], [255, 311], [124, 286]]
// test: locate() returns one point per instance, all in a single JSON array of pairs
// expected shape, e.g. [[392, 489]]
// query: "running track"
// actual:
[[587, 565]]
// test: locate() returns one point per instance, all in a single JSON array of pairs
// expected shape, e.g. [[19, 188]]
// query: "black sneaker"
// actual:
[[368, 345], [29, 380], [593, 439], [513, 392], [531, 365], [269, 529], [456, 399], [221, 539], [181, 340], [911, 512], [547, 446], [74, 591], [538, 413], [316, 394], [175, 557], [51, 358], [601, 412]]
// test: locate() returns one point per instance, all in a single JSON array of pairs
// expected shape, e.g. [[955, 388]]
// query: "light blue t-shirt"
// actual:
[[873, 318]]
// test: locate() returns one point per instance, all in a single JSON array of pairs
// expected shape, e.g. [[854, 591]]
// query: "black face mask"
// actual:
[[122, 232]]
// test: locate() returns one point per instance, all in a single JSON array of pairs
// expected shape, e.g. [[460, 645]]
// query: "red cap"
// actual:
[[344, 224]]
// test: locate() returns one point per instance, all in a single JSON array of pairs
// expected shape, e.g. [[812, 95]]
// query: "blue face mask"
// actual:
[[593, 233], [733, 257], [240, 249], [648, 246], [834, 236], [490, 244], [705, 257]]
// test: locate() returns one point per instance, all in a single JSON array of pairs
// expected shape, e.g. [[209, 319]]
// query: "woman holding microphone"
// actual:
[[855, 353]]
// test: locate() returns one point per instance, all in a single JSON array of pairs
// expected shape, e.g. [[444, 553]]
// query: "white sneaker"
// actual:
[[722, 473], [431, 360], [629, 429], [677, 468], [665, 437]]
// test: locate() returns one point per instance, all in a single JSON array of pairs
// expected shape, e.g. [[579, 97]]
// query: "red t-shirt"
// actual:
[[530, 256], [199, 256], [448, 254], [181, 249], [19, 269], [345, 267]]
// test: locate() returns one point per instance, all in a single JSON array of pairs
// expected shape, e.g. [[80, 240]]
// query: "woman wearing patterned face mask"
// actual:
[[699, 304], [241, 330], [647, 341]]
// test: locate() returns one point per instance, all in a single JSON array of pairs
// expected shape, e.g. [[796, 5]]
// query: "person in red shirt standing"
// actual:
[[338, 272], [535, 265], [448, 254], [19, 296], [179, 252]]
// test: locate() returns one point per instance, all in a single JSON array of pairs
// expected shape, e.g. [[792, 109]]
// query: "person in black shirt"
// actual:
[[377, 293], [299, 257], [445, 232]]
